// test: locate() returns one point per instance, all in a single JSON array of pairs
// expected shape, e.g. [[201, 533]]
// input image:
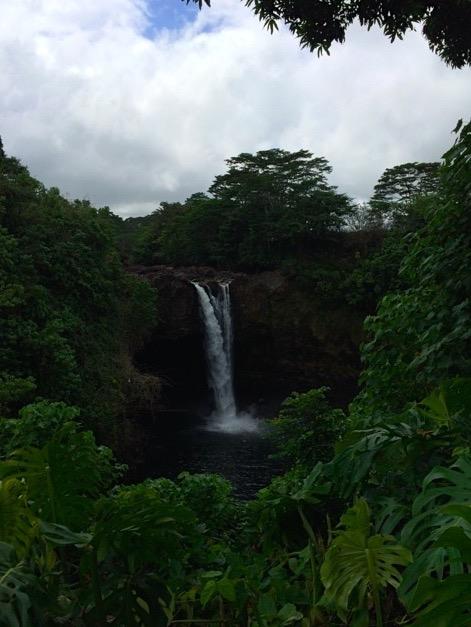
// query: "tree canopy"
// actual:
[[396, 194], [266, 207], [446, 24]]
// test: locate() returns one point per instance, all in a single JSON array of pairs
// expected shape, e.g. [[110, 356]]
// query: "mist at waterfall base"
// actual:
[[218, 438]]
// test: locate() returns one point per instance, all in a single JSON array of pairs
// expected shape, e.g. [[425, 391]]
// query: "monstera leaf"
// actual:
[[440, 530], [419, 433], [442, 486], [358, 564], [437, 561], [445, 484], [355, 458], [443, 603]]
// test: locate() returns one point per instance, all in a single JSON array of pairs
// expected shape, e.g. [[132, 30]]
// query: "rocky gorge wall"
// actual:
[[285, 339]]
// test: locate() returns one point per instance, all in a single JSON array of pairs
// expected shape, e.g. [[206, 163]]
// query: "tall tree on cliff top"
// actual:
[[279, 198], [446, 24], [266, 208], [274, 173], [396, 194]]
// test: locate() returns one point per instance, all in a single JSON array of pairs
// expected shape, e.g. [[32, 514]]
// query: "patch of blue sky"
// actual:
[[168, 15]]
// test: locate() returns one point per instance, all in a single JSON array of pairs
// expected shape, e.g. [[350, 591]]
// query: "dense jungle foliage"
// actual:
[[68, 310], [372, 524]]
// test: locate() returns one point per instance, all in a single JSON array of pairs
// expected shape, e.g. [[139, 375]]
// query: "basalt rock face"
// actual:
[[288, 340], [285, 339]]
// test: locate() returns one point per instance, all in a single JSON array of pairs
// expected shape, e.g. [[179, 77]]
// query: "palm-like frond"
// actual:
[[18, 526], [62, 478]]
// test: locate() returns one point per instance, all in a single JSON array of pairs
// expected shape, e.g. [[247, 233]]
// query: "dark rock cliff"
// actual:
[[285, 339]]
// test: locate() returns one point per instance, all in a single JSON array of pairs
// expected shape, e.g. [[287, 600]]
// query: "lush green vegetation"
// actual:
[[372, 524], [68, 310], [264, 209]]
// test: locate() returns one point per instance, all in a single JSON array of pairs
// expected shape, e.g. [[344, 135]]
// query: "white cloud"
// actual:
[[93, 106]]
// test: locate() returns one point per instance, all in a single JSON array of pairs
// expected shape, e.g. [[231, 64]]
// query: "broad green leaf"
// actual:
[[444, 603], [60, 535], [226, 589], [266, 605], [313, 488], [208, 591], [357, 562], [289, 614]]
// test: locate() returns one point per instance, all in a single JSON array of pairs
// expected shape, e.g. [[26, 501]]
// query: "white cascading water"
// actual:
[[217, 318]]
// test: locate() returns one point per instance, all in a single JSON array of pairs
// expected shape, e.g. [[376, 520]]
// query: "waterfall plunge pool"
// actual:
[[187, 444], [228, 442]]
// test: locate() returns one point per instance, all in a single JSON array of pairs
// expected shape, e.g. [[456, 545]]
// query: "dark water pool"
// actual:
[[185, 444]]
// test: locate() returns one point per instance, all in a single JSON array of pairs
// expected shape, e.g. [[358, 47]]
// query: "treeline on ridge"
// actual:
[[276, 210]]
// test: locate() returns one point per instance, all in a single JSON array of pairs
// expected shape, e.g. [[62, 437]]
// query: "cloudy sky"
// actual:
[[131, 102]]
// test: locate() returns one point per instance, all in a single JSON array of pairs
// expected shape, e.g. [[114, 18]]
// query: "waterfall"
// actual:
[[217, 319]]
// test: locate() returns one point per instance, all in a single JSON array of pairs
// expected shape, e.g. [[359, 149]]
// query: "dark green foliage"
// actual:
[[18, 525], [139, 545], [63, 477], [404, 198], [403, 183], [67, 308], [15, 587], [307, 428], [162, 551], [281, 201], [275, 210], [422, 336], [190, 233], [208, 496], [377, 273], [319, 23], [394, 451], [268, 207], [443, 603], [35, 426], [436, 584]]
